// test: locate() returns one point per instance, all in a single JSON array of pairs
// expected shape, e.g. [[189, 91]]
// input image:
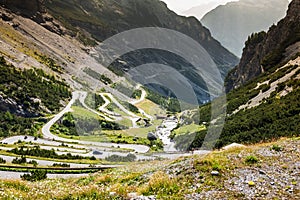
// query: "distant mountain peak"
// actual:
[[232, 23]]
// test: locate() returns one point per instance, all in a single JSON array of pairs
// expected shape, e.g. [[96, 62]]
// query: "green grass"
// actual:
[[139, 132], [115, 137], [136, 132], [161, 185], [79, 111], [191, 128], [125, 122], [114, 108], [251, 159], [150, 108]]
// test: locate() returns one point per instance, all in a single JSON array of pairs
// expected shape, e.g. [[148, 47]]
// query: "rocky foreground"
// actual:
[[264, 171]]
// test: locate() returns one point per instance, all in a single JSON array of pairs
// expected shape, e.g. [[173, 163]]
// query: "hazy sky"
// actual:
[[179, 6], [182, 5]]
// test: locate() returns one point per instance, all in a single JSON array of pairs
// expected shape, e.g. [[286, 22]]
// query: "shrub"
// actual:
[[101, 77], [116, 158], [60, 165], [38, 152], [35, 175], [276, 148], [33, 162], [133, 108], [2, 161], [136, 94], [217, 167], [19, 161], [251, 160], [105, 79], [2, 60]]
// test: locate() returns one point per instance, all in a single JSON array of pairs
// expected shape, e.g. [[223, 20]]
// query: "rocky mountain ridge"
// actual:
[[232, 23], [264, 51]]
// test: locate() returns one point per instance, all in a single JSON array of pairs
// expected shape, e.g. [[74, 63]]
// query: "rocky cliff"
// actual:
[[265, 51], [34, 10]]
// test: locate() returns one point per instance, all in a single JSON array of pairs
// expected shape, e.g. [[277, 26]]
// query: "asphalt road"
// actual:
[[80, 95]]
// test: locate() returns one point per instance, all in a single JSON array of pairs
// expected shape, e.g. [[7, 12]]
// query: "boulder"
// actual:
[[151, 136]]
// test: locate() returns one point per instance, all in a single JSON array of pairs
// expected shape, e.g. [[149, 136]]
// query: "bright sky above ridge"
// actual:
[[180, 6]]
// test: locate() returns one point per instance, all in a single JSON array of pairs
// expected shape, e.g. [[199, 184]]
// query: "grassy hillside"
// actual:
[[274, 116]]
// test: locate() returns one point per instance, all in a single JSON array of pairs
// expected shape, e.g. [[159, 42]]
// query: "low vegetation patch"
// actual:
[[162, 185], [2, 161], [38, 152], [117, 158], [251, 159], [61, 165], [277, 148], [36, 175]]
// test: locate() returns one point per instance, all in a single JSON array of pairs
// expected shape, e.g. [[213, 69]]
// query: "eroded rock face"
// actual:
[[8, 104], [35, 10], [266, 50]]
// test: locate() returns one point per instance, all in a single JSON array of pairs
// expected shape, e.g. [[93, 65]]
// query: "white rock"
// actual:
[[233, 145], [112, 193], [132, 195], [215, 173]]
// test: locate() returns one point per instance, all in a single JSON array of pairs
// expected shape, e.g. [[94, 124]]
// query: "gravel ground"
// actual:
[[276, 175]]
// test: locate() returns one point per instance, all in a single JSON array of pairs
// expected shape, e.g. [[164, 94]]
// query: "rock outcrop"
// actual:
[[8, 104], [35, 10]]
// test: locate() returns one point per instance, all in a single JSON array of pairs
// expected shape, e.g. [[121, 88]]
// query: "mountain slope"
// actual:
[[266, 107], [93, 21], [266, 50], [204, 8], [37, 71], [105, 18], [44, 47], [102, 19], [232, 23]]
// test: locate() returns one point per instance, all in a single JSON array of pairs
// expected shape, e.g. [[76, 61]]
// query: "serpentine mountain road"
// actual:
[[79, 95]]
